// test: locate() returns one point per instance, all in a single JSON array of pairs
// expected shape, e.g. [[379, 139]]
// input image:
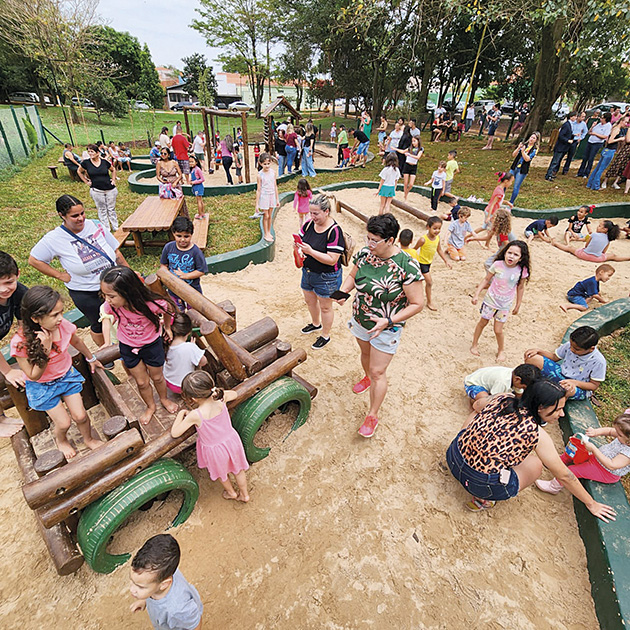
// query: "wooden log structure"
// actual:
[[265, 356], [49, 461], [346, 206], [311, 389], [223, 351], [228, 307], [155, 284], [257, 334], [322, 153], [197, 301], [110, 397], [108, 355], [82, 469], [62, 549], [114, 426], [34, 421], [403, 205], [88, 395]]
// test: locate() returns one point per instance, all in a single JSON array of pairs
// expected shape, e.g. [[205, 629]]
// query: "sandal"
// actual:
[[478, 505]]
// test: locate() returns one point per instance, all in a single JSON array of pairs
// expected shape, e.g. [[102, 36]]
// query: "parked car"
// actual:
[[448, 106], [606, 107], [508, 107], [23, 97], [560, 110], [140, 105], [221, 106], [179, 106], [86, 102], [484, 105], [241, 106]]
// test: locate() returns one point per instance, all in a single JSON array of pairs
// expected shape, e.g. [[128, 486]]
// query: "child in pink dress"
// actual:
[[302, 199], [219, 447]]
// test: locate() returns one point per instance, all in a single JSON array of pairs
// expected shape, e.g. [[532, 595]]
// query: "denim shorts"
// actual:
[[362, 149], [577, 299], [321, 284], [473, 390], [43, 396], [198, 190], [480, 485], [553, 371], [386, 342], [492, 129], [152, 354]]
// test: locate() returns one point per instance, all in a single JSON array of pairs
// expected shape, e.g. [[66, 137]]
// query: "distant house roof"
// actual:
[[234, 78], [167, 76], [281, 101]]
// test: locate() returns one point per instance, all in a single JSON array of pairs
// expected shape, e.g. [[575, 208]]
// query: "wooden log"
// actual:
[[64, 552], [54, 513], [403, 205], [345, 206], [256, 335], [284, 347], [197, 301], [110, 397], [155, 284], [82, 469], [108, 355], [88, 395], [219, 345], [5, 400], [311, 389], [322, 153], [265, 356], [114, 426], [34, 421], [49, 461], [228, 307]]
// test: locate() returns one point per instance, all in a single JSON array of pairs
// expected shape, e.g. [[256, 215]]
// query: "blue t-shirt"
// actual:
[[185, 261], [179, 609], [585, 288], [537, 226], [586, 367]]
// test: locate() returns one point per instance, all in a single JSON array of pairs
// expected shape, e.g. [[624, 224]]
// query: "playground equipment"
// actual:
[[87, 499], [403, 205], [281, 101]]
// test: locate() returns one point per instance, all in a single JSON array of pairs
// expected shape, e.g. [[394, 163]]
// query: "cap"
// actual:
[[157, 143]]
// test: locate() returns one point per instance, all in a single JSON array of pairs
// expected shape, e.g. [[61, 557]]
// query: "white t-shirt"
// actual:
[[181, 360], [165, 141], [394, 138], [390, 175], [82, 263], [584, 367], [438, 179], [197, 145], [415, 132], [470, 113], [496, 379]]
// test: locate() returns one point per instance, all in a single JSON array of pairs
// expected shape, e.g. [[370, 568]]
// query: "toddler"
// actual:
[[426, 247], [302, 199], [586, 290], [437, 181], [458, 230], [540, 228], [387, 186], [196, 181], [405, 238], [238, 162], [182, 356], [576, 223]]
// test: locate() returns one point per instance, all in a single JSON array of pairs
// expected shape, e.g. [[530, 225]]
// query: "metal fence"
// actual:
[[21, 134]]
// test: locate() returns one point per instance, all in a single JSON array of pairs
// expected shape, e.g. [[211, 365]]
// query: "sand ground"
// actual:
[[342, 532]]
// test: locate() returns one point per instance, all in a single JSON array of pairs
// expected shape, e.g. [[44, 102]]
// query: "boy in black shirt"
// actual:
[[361, 144]]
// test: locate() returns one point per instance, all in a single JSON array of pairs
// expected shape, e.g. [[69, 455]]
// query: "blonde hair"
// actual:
[[290, 128], [200, 384], [464, 212], [622, 424], [502, 222]]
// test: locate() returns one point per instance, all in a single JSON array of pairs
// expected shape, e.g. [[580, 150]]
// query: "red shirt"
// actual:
[[180, 146]]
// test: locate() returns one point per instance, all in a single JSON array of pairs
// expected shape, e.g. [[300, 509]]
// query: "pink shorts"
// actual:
[[488, 312], [590, 469], [173, 388], [580, 253]]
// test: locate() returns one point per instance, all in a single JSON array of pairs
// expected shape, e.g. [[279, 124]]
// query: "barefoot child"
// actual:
[[302, 199], [238, 163], [387, 186], [140, 314], [196, 181], [182, 356], [586, 290], [540, 228], [426, 247], [266, 194], [219, 447], [160, 588], [597, 246], [405, 238], [505, 281], [496, 200], [41, 348], [452, 169], [437, 181], [410, 168], [576, 223], [458, 230]]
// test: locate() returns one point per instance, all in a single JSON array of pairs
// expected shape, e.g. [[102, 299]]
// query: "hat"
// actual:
[[157, 143]]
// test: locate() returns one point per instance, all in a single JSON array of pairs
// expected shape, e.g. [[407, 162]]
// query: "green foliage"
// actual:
[[199, 78], [30, 132], [206, 92], [107, 98]]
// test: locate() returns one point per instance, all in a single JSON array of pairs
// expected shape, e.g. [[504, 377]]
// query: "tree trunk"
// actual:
[[299, 92], [377, 89], [346, 111]]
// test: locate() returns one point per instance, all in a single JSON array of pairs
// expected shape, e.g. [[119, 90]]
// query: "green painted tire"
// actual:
[[249, 416], [102, 518]]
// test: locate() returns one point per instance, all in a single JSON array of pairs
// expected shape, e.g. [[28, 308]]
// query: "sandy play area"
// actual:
[[344, 533]]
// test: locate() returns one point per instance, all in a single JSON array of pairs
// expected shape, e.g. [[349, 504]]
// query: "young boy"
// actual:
[[583, 366], [586, 290], [11, 294], [452, 169], [489, 381], [238, 163], [405, 238], [157, 584], [457, 235], [539, 228]]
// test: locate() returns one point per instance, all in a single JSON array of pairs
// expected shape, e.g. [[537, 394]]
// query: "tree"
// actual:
[[199, 77], [295, 65], [207, 92]]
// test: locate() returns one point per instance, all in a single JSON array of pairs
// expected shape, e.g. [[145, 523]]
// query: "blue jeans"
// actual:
[[282, 164], [589, 155], [594, 181], [518, 180], [307, 163], [291, 153], [467, 124]]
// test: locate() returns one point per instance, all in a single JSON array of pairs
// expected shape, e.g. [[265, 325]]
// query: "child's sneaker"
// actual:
[[310, 328], [320, 342], [552, 487], [256, 215], [368, 427], [362, 386]]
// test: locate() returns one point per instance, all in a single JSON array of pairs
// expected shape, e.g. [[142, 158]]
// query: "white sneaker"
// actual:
[[616, 186], [256, 215], [602, 186], [552, 487]]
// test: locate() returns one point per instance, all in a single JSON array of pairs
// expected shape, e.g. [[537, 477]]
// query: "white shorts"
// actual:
[[267, 201]]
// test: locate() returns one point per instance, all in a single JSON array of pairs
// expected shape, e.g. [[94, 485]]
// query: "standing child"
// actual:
[[497, 198], [140, 314], [387, 186], [196, 181], [576, 223], [437, 184], [410, 169], [505, 280], [238, 162], [333, 132], [219, 447], [160, 588], [182, 356], [427, 245], [586, 290], [267, 197], [257, 162], [458, 230], [41, 348], [346, 153], [452, 169], [302, 199], [540, 228]]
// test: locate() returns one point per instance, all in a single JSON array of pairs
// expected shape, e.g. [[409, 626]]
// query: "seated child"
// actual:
[[586, 290], [539, 228], [576, 223], [577, 365], [158, 585], [154, 153], [405, 238], [182, 356], [457, 235]]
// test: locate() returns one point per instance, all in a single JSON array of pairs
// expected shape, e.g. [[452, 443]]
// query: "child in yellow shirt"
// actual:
[[426, 247], [405, 238]]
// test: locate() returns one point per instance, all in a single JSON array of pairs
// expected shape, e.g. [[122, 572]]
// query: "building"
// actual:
[[167, 76], [176, 94], [232, 86]]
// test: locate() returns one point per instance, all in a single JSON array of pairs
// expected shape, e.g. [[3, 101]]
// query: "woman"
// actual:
[[291, 142], [72, 161], [389, 292], [621, 159], [322, 246], [95, 172], [523, 156], [437, 128], [616, 136], [84, 250], [308, 170], [391, 144], [227, 145], [281, 152], [165, 141], [501, 450], [114, 155], [382, 133], [167, 170], [403, 146]]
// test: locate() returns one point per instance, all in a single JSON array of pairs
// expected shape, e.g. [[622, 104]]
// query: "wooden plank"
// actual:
[[153, 214], [110, 396], [200, 235], [121, 235]]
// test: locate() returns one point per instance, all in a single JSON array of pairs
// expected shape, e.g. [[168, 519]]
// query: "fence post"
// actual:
[[41, 127], [17, 124], [29, 119], [6, 142], [102, 137]]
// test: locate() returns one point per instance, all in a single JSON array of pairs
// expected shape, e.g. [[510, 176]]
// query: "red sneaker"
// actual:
[[368, 427], [362, 386]]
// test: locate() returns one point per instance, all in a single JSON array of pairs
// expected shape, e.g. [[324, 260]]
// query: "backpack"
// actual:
[[346, 256]]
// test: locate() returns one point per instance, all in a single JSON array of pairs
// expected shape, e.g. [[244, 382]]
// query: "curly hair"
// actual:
[[502, 222], [38, 301]]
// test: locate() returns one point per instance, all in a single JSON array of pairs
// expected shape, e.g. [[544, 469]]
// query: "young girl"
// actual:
[[387, 186], [266, 194], [427, 245], [496, 200], [412, 155], [505, 280], [182, 356], [219, 447], [437, 184], [576, 223], [41, 348], [595, 250], [501, 229], [607, 464], [257, 162], [196, 180], [238, 163], [333, 132], [140, 314], [302, 198]]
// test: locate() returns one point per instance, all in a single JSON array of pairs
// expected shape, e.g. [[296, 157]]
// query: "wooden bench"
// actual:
[[200, 235], [121, 236], [53, 171]]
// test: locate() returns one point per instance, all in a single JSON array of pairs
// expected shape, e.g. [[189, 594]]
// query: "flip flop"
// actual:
[[478, 505]]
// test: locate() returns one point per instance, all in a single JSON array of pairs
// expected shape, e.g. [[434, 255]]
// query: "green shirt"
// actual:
[[379, 283], [343, 137]]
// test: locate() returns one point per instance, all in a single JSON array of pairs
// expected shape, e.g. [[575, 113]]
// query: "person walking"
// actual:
[[562, 146]]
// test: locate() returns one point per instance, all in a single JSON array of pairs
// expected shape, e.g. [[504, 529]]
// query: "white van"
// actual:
[[24, 97]]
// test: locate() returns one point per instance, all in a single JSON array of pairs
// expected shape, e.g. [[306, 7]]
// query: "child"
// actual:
[[576, 223], [302, 199], [238, 163], [41, 348], [347, 152], [586, 290], [159, 586], [405, 238], [607, 464], [489, 381], [457, 235], [505, 280], [196, 180], [452, 169], [500, 228], [437, 184], [496, 200], [595, 250], [124, 156], [140, 314], [219, 447], [333, 132], [583, 366], [154, 153], [11, 294], [266, 194], [257, 162], [182, 356], [387, 186], [426, 246], [410, 168], [540, 228]]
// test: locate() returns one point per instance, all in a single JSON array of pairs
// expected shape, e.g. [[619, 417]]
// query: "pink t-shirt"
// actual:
[[135, 329], [197, 176], [502, 289], [498, 195], [301, 204], [59, 359]]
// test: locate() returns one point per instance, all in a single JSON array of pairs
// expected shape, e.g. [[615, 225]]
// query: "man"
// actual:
[[361, 144], [579, 133], [440, 111], [413, 129], [470, 117], [562, 146], [493, 122], [180, 146], [597, 136], [521, 116]]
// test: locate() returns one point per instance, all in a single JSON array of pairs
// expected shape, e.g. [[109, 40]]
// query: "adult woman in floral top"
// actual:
[[389, 292], [501, 450]]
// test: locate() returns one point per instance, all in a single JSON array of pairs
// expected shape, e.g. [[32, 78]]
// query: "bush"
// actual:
[[30, 132]]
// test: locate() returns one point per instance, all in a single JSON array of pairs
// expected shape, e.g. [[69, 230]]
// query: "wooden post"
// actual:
[[187, 125], [265, 356], [256, 335], [155, 284], [228, 307], [108, 355], [219, 345], [212, 130], [110, 397], [87, 393], [209, 139], [49, 461], [248, 178], [114, 426], [351, 210], [311, 389], [403, 205], [34, 421]]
